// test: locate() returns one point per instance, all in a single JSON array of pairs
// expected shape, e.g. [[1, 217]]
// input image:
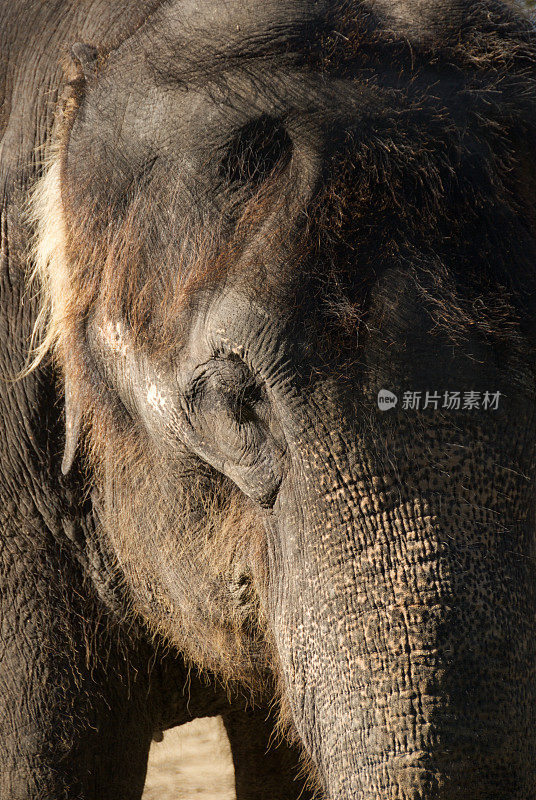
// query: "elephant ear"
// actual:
[[73, 423]]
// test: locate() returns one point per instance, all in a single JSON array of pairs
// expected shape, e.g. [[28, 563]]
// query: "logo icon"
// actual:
[[386, 400]]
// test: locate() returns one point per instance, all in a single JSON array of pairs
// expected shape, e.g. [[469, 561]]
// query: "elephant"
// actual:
[[84, 684], [285, 253]]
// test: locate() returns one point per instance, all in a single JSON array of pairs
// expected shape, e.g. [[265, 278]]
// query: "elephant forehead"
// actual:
[[417, 17], [252, 19], [252, 25], [209, 33]]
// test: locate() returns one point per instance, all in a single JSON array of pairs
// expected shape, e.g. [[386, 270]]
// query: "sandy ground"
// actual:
[[192, 763]]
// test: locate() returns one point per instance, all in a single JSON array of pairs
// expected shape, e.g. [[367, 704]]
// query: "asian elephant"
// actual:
[[286, 259]]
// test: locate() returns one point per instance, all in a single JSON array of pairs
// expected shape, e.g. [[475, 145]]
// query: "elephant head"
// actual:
[[288, 256]]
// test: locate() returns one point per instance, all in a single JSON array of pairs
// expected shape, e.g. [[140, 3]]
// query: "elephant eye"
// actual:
[[259, 150]]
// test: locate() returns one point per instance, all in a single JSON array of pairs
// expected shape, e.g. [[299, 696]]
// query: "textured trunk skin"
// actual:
[[407, 641]]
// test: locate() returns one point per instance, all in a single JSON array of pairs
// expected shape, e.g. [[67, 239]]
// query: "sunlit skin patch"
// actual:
[[156, 399], [113, 337]]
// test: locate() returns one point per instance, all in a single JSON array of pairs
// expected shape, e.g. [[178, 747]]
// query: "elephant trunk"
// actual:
[[405, 631]]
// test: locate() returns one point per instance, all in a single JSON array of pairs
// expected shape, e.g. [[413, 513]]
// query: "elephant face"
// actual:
[[288, 257]]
